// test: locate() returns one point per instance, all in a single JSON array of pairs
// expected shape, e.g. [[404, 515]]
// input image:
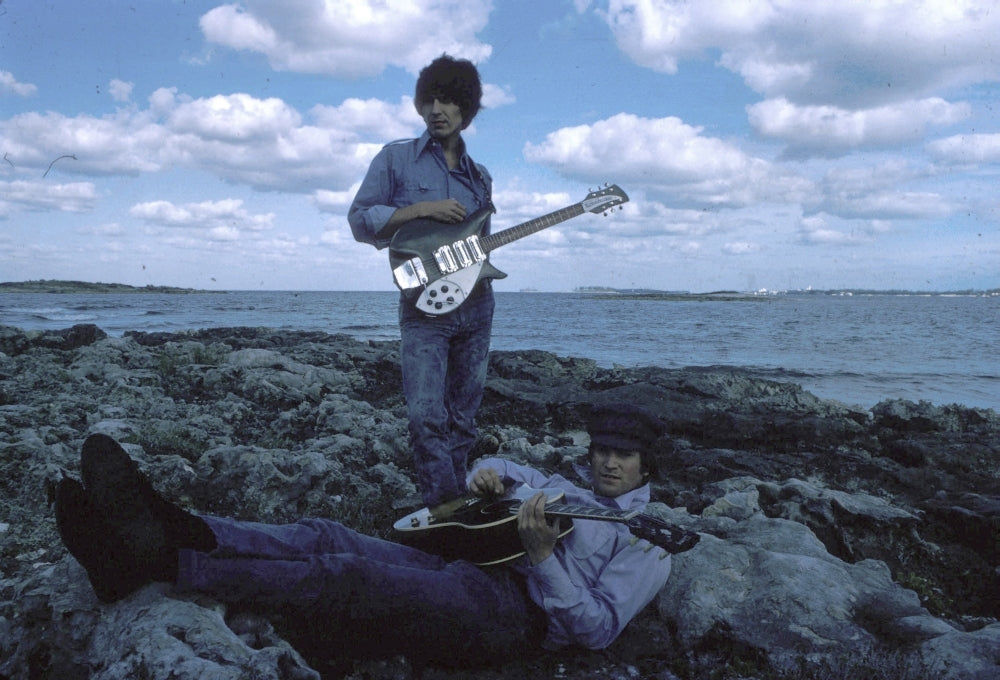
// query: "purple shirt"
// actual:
[[410, 171], [598, 578]]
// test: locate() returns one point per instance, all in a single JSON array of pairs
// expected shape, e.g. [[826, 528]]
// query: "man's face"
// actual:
[[442, 116], [615, 471]]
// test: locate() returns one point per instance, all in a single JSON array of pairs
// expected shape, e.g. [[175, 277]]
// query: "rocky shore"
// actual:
[[836, 542]]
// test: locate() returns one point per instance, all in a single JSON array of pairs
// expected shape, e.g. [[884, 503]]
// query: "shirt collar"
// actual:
[[426, 143]]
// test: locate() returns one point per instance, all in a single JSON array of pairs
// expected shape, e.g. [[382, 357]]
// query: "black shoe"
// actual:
[[153, 527], [112, 572]]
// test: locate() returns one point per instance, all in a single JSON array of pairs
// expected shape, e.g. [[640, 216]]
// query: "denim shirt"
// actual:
[[410, 171], [597, 578]]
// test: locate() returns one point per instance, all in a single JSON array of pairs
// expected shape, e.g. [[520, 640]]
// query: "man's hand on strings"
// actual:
[[538, 534], [486, 482]]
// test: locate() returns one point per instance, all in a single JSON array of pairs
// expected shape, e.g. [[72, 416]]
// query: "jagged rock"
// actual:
[[770, 585], [829, 533]]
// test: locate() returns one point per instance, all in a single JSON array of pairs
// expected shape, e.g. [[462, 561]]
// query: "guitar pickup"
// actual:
[[446, 260], [464, 258], [410, 274], [477, 250]]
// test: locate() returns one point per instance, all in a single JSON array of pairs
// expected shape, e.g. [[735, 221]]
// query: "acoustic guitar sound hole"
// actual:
[[498, 507]]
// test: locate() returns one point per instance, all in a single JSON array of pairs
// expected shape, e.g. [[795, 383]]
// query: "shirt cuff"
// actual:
[[553, 581], [377, 217]]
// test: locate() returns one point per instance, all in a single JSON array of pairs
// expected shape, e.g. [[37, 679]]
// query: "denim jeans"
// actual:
[[360, 596], [444, 360]]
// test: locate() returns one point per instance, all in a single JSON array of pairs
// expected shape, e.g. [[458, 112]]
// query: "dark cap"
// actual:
[[625, 427]]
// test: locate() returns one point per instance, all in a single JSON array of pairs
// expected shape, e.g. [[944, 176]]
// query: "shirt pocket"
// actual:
[[589, 538], [412, 191]]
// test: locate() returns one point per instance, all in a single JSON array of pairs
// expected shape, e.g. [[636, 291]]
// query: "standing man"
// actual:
[[443, 357]]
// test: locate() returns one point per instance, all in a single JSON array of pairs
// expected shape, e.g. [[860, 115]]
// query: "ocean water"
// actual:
[[858, 349]]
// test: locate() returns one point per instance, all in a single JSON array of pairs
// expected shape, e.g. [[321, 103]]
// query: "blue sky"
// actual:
[[764, 144]]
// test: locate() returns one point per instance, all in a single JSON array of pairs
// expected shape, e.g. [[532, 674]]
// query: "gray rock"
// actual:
[[829, 533]]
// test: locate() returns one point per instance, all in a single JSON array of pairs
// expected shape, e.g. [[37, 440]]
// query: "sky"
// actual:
[[763, 144]]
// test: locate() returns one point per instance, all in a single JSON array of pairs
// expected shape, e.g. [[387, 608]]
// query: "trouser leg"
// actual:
[[444, 361], [392, 600], [469, 359]]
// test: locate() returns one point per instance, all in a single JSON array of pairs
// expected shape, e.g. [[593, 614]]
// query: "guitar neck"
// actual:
[[588, 512], [502, 238]]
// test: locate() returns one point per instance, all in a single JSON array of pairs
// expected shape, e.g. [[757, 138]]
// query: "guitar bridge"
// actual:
[[410, 274]]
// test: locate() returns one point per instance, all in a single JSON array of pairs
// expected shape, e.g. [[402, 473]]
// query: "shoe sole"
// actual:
[[92, 544], [126, 500]]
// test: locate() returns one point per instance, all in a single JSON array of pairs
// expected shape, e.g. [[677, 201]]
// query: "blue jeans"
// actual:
[[361, 596], [444, 360]]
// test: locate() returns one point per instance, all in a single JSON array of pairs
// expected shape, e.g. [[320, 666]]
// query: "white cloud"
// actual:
[[855, 54], [233, 118], [963, 149], [224, 232], [665, 156], [815, 230], [370, 118], [888, 205], [350, 38], [263, 143], [878, 193], [9, 83], [495, 96], [514, 205], [829, 130], [124, 143], [335, 201], [740, 248], [221, 220], [40, 195], [120, 90]]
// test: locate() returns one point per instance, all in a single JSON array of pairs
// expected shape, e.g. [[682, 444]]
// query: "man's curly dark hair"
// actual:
[[452, 80]]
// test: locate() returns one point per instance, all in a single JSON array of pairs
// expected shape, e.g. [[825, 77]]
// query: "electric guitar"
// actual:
[[484, 530], [436, 265]]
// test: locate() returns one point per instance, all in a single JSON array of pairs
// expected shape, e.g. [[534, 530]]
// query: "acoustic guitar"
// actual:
[[484, 530]]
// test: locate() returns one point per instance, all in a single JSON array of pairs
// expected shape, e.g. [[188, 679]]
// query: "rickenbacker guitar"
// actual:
[[484, 530], [436, 265]]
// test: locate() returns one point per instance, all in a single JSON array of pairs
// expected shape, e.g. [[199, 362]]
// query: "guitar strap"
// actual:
[[487, 190]]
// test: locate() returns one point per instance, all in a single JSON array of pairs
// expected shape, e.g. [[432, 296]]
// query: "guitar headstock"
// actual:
[[672, 538], [603, 200]]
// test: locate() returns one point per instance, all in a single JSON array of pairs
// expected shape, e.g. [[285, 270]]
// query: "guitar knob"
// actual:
[[432, 292], [444, 289], [451, 301], [438, 305]]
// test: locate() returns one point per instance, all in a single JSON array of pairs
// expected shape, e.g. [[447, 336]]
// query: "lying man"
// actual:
[[368, 597]]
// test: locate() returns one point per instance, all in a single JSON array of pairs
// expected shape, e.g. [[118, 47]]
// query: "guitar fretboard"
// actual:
[[586, 512], [502, 238]]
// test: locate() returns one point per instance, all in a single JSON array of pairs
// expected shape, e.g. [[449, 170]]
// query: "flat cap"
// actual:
[[624, 426]]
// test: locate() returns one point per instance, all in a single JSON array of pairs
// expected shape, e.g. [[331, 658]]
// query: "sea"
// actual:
[[856, 348]]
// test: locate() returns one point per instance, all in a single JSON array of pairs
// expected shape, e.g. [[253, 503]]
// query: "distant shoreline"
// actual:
[[596, 292], [63, 287]]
